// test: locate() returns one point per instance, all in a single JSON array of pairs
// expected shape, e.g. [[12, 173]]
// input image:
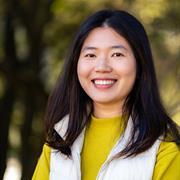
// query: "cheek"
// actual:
[[127, 74], [83, 72], [127, 68], [80, 67], [83, 69], [131, 73]]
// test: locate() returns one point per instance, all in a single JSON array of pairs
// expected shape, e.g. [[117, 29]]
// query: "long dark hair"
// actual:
[[143, 103]]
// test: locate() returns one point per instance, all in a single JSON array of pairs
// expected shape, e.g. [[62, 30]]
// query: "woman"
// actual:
[[104, 119]]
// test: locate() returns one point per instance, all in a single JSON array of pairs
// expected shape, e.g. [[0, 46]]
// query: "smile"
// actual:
[[103, 83]]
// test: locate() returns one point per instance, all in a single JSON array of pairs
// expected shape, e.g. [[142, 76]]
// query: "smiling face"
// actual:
[[106, 67]]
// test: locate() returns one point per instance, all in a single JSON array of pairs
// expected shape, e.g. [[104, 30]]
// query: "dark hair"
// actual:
[[143, 103]]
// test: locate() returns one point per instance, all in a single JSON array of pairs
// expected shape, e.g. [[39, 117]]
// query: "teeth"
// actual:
[[103, 82]]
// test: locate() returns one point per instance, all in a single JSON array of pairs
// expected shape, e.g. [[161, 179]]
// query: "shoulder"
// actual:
[[168, 148], [46, 149], [167, 162], [167, 152], [45, 155], [43, 165]]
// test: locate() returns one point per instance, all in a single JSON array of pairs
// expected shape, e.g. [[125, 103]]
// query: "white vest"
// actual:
[[139, 167]]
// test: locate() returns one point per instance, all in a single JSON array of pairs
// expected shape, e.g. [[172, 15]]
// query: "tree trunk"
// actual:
[[7, 101], [5, 114], [26, 132]]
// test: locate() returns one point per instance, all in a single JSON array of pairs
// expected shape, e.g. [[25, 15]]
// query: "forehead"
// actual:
[[104, 37]]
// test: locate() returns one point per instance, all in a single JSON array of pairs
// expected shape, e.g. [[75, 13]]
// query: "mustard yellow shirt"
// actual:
[[100, 138]]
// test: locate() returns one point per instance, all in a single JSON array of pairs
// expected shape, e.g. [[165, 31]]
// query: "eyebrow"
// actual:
[[112, 47], [118, 47]]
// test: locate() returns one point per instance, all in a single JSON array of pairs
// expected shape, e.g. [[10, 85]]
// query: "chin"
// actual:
[[103, 101]]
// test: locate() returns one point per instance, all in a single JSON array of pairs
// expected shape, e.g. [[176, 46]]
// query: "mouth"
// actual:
[[103, 83]]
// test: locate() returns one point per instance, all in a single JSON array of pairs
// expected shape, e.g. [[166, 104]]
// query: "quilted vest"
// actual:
[[139, 167]]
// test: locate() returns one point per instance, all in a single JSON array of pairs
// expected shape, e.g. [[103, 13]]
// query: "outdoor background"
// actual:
[[34, 38]]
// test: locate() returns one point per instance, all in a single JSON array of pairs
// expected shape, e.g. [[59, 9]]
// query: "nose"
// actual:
[[103, 66]]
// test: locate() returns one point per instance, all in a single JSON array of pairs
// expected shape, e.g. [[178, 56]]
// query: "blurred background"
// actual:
[[34, 38]]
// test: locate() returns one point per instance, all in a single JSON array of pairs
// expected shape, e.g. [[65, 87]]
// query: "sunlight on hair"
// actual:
[[13, 169]]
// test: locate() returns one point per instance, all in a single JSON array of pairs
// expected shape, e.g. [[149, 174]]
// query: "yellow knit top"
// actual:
[[100, 137]]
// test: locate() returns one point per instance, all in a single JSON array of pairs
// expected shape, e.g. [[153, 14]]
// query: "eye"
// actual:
[[117, 54], [90, 55]]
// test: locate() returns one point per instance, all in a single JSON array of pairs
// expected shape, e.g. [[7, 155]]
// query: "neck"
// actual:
[[106, 110]]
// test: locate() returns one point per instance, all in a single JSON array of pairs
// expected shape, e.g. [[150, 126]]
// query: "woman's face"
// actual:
[[106, 67]]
